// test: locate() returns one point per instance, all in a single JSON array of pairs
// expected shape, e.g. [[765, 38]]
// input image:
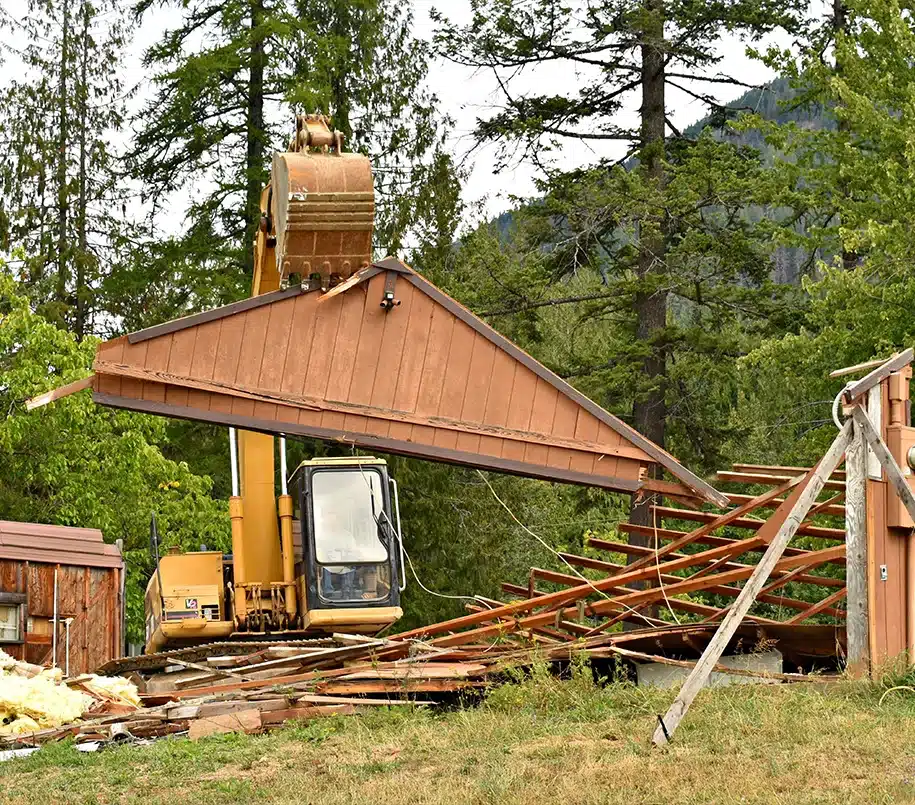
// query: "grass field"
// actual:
[[540, 741]]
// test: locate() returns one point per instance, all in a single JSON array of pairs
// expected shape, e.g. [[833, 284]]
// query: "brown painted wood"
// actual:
[[427, 378], [744, 522]]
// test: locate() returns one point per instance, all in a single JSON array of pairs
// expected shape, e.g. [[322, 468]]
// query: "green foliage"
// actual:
[[226, 77], [641, 279], [75, 463], [59, 115], [541, 741], [852, 184]]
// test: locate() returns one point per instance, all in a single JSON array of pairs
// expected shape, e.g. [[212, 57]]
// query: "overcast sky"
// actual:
[[466, 95]]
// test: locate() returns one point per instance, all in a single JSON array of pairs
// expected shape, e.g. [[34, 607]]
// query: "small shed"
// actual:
[[68, 581]]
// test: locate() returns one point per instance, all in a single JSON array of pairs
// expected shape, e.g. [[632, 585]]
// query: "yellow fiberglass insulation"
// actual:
[[115, 686], [40, 699]]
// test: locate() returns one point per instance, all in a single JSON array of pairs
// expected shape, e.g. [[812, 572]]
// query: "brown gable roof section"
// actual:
[[425, 378], [57, 545]]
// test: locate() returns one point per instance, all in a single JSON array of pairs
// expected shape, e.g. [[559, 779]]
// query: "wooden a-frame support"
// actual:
[[856, 440], [787, 517]]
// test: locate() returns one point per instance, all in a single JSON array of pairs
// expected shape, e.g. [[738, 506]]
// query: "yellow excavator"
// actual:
[[345, 571]]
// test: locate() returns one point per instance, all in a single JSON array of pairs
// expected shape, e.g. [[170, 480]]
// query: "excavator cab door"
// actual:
[[350, 547]]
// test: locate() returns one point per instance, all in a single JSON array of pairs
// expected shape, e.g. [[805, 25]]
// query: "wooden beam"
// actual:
[[687, 606], [59, 392], [670, 533], [619, 604], [713, 522], [885, 457], [786, 519], [767, 479], [752, 524], [778, 469], [829, 507], [861, 367], [820, 606], [856, 619], [873, 378]]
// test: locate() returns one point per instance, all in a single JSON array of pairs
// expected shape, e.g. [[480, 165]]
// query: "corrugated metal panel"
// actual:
[[426, 378], [59, 545]]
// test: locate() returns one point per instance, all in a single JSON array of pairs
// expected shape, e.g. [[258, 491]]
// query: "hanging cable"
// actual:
[[835, 406], [550, 548]]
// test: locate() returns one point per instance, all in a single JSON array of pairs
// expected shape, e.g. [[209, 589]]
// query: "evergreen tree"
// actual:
[[850, 186], [60, 200], [647, 262], [226, 82]]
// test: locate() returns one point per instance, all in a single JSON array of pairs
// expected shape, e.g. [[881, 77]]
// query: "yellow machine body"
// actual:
[[188, 606], [317, 219]]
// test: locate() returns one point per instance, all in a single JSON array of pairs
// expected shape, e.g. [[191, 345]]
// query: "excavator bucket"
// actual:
[[321, 205]]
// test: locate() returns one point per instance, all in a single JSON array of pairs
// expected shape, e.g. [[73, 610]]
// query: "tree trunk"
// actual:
[[63, 135], [254, 162], [649, 411], [83, 255], [840, 25], [340, 110]]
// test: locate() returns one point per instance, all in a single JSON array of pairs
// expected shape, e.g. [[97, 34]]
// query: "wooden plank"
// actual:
[[393, 347], [819, 607], [749, 523], [275, 718], [670, 534], [879, 448], [414, 354], [346, 340], [779, 469], [856, 623], [435, 362], [786, 518], [59, 393], [834, 508], [247, 721], [713, 522], [861, 367], [873, 378], [620, 604], [761, 479]]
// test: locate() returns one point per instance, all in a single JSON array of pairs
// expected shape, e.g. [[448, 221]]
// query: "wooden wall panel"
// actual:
[[90, 596], [424, 378]]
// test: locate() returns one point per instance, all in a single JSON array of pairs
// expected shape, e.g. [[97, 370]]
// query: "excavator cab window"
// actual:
[[349, 535], [354, 562]]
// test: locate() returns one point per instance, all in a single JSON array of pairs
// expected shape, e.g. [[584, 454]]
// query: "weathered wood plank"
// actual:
[[787, 518]]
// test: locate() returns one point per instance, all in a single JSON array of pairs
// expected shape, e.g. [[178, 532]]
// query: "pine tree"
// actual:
[[61, 207], [665, 273], [226, 82]]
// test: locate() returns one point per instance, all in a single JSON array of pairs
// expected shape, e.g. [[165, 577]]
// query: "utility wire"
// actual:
[[550, 548]]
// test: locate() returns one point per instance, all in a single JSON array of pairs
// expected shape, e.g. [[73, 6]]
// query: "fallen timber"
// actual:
[[257, 686]]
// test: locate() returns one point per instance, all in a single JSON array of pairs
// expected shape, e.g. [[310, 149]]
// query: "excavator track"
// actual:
[[162, 659]]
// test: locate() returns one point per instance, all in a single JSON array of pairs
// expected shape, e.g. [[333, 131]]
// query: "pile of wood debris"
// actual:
[[243, 690], [256, 686]]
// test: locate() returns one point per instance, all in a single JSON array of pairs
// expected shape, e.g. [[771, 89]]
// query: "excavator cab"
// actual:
[[353, 561]]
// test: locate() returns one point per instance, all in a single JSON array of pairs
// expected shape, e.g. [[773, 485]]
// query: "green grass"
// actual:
[[539, 741]]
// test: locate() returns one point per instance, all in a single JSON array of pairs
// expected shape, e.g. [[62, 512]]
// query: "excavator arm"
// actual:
[[316, 221]]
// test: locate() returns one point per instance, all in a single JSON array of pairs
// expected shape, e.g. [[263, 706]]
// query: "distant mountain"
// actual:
[[772, 102]]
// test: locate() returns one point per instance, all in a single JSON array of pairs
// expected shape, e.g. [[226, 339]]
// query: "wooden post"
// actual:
[[856, 553], [901, 485], [791, 513]]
